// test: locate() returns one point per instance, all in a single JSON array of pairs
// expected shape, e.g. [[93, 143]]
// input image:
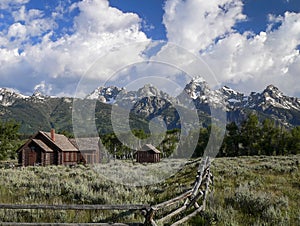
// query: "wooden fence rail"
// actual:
[[194, 198], [191, 199], [62, 224], [74, 207]]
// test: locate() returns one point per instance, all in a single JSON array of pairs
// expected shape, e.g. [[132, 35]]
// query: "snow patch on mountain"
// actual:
[[105, 94], [272, 97], [150, 101], [9, 96]]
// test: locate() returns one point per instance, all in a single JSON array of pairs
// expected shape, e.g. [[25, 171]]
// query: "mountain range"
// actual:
[[41, 112]]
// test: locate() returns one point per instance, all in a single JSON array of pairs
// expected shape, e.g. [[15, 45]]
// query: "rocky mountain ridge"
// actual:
[[9, 96], [149, 102], [199, 91], [271, 102]]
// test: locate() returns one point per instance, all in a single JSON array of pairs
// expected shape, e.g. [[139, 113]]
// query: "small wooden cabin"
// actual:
[[148, 153], [45, 148]]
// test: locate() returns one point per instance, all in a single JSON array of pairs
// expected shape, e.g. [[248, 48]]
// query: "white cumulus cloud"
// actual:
[[61, 62], [247, 61], [254, 61], [195, 24], [6, 4], [17, 31]]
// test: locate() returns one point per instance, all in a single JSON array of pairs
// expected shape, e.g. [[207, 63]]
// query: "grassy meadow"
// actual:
[[258, 190]]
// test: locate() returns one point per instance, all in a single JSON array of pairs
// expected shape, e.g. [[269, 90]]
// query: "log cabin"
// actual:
[[46, 148], [148, 154]]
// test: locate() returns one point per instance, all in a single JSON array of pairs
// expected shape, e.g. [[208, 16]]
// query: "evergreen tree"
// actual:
[[268, 139], [250, 135], [202, 142], [170, 142], [9, 139], [231, 141], [282, 140], [294, 144]]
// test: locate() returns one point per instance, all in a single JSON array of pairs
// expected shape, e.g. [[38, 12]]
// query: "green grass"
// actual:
[[247, 191], [255, 191]]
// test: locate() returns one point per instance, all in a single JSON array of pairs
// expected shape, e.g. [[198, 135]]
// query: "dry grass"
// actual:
[[247, 190]]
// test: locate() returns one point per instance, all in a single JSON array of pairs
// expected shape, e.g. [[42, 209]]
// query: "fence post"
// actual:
[[149, 221]]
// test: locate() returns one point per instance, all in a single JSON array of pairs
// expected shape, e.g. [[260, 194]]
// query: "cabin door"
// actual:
[[32, 157]]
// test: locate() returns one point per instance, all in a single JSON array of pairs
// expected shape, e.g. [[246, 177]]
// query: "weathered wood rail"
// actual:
[[186, 205], [75, 207], [59, 224], [188, 200], [128, 208]]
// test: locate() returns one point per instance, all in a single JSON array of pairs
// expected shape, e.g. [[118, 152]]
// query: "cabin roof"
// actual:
[[150, 147], [86, 143], [42, 145], [61, 141]]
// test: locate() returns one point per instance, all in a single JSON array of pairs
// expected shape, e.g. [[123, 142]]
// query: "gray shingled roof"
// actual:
[[86, 143], [148, 147]]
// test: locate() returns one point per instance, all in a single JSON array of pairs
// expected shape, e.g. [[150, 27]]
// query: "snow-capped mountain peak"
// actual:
[[229, 91], [9, 96], [105, 94], [273, 97], [38, 95], [270, 97], [148, 90], [198, 88], [198, 79], [273, 91]]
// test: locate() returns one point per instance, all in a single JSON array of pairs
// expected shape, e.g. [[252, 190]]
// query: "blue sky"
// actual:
[[49, 45], [256, 10]]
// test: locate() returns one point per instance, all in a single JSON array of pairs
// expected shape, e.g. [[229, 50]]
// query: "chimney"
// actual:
[[53, 135]]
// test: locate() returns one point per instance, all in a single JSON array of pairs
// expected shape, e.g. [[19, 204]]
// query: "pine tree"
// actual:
[[202, 142], [294, 144], [268, 140], [9, 139], [282, 139], [231, 140], [250, 135]]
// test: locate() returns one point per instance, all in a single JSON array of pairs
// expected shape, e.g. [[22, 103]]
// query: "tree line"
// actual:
[[120, 151], [251, 137]]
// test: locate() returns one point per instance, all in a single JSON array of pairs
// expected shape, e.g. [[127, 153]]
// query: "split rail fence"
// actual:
[[177, 210]]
